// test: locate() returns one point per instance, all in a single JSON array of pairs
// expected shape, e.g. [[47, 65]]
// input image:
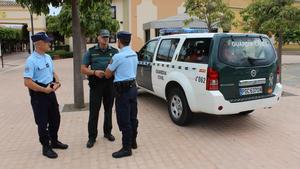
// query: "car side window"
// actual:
[[147, 52], [167, 49], [195, 50]]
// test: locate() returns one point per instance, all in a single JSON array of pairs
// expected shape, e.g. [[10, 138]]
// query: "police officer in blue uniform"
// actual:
[[42, 82], [101, 89], [124, 67]]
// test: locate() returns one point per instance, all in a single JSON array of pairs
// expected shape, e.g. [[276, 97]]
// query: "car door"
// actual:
[[145, 56], [167, 49]]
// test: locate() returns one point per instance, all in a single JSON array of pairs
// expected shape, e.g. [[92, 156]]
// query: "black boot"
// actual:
[[134, 144], [109, 137], [48, 152], [58, 145], [122, 153], [90, 143]]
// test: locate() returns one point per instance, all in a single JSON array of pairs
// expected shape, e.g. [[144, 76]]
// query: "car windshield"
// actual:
[[246, 52]]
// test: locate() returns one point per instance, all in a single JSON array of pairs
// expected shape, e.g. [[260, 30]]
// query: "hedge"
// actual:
[[62, 47], [60, 54], [10, 34]]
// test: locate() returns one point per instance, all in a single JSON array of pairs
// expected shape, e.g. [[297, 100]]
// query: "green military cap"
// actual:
[[104, 33]]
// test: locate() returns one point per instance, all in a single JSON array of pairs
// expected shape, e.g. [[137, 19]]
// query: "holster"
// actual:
[[121, 87]]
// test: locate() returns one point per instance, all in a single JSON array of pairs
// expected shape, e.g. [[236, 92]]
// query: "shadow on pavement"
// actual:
[[222, 123]]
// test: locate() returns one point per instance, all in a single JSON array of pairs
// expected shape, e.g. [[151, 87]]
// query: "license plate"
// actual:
[[250, 90]]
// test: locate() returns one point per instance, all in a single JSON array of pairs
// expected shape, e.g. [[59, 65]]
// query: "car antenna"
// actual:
[[260, 38]]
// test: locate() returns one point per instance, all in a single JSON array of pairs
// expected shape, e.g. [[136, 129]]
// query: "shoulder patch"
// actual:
[[27, 69]]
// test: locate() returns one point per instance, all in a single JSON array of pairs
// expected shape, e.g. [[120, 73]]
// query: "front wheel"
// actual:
[[178, 107]]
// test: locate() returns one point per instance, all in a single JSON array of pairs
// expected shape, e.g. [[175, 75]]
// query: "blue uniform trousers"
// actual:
[[46, 115], [126, 108]]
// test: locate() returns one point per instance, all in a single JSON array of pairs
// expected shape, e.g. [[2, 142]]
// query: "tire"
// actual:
[[244, 113], [178, 107]]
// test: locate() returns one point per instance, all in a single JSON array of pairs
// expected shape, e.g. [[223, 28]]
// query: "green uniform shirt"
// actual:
[[98, 58]]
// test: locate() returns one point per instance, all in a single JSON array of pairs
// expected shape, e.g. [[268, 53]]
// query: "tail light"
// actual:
[[278, 74], [212, 82]]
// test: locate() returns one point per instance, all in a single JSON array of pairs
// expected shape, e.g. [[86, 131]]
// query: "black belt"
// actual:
[[34, 93], [42, 85], [125, 84]]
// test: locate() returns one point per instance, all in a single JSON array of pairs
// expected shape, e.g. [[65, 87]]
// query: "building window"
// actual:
[[157, 32], [113, 12], [147, 35], [113, 38]]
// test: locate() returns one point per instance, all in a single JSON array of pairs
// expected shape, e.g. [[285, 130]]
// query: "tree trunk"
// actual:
[[78, 80], [31, 21], [279, 53], [32, 29], [83, 42], [2, 64]]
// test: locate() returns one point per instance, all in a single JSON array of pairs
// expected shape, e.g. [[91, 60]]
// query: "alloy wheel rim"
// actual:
[[176, 107]]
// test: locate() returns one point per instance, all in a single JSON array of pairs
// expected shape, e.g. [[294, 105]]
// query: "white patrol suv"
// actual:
[[215, 73]]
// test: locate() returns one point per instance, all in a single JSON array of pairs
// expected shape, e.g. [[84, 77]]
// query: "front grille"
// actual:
[[250, 98]]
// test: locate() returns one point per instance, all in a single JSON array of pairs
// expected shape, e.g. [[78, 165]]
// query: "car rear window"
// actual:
[[246, 51]]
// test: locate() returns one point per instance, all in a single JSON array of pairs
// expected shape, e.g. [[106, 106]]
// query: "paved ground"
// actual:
[[269, 138]]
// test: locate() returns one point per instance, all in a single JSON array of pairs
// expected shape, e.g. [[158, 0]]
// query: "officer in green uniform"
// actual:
[[95, 60]]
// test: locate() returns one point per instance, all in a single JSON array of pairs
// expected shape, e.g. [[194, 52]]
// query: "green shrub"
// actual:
[[62, 47], [10, 34], [60, 53]]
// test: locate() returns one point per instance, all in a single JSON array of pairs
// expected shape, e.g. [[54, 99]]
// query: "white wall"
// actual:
[[146, 12]]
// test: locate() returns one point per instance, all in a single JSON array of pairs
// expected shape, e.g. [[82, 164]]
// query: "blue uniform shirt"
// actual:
[[39, 68], [124, 64]]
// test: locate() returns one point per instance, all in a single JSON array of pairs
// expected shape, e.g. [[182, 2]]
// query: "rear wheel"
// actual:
[[246, 112], [178, 107]]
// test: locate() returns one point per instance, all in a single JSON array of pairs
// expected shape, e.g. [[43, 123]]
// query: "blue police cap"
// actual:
[[41, 36], [124, 35]]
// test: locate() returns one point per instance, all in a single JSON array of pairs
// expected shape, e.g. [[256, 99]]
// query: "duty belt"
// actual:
[[125, 84], [34, 93]]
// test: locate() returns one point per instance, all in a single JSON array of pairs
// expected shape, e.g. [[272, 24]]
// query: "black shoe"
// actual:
[[59, 145], [110, 137], [48, 152], [134, 144], [90, 143], [124, 152]]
